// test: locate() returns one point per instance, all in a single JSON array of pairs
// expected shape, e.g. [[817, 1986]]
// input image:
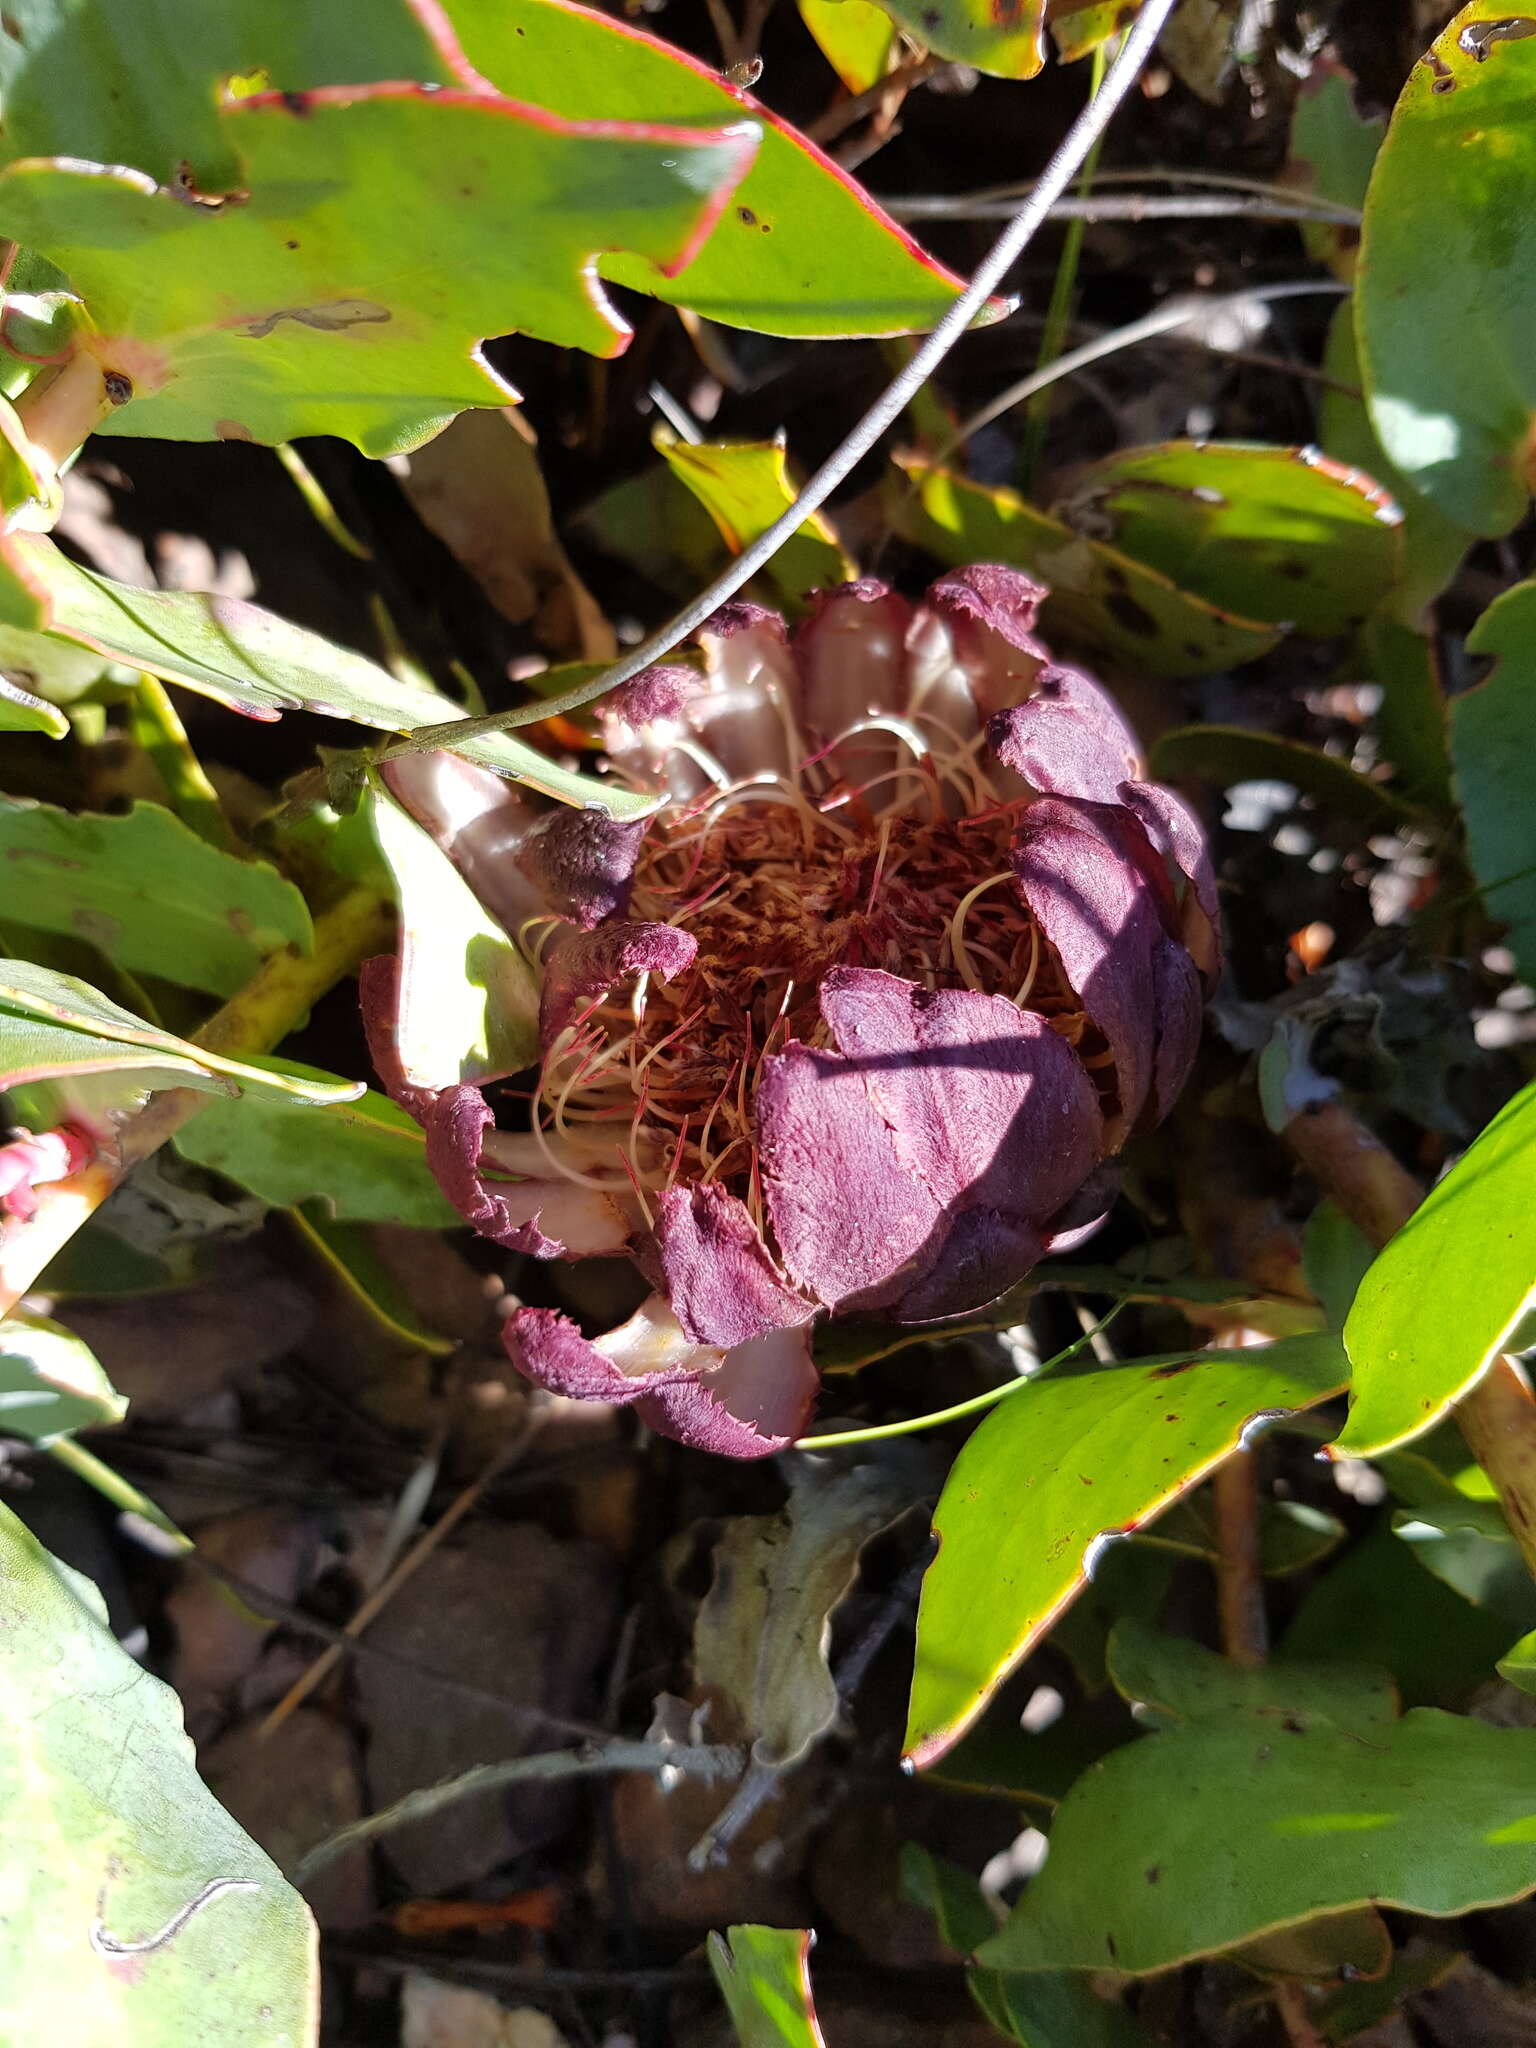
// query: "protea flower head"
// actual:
[[853, 1022]]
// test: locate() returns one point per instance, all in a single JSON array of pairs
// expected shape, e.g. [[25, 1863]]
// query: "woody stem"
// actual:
[[1498, 1415]]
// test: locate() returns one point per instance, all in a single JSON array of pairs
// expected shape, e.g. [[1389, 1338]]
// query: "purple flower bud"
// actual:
[[853, 1023]]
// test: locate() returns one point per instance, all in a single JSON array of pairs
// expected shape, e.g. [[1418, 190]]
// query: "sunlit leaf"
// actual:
[[800, 249], [20, 711], [381, 233], [259, 664], [1218, 1830], [744, 486], [1098, 596], [132, 1909], [52, 1026], [854, 36], [1278, 534], [469, 1001], [1493, 733], [51, 1382], [136, 81], [1446, 267], [1063, 1462], [1441, 1300], [764, 1977], [1081, 26], [1433, 543], [148, 893], [366, 1159], [1008, 42]]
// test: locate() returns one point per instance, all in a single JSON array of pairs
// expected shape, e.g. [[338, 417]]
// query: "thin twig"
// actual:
[[1058, 316], [707, 1761], [1134, 207], [1162, 320], [270, 1608], [380, 1598], [1239, 1571], [883, 414], [839, 119], [1150, 174]]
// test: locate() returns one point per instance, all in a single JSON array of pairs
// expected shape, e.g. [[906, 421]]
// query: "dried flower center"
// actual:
[[777, 892]]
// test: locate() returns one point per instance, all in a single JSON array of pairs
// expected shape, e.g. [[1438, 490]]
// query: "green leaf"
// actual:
[[1039, 2011], [855, 37], [656, 526], [149, 893], [1377, 1604], [50, 1382], [744, 486], [1518, 1664], [469, 1001], [1336, 1255], [1440, 1301], [1007, 42], [1228, 754], [1000, 1760], [1222, 1829], [1098, 596], [54, 1026], [1324, 1950], [132, 1909], [20, 711], [1282, 535], [1433, 543], [764, 1977], [1079, 27], [383, 231], [351, 1257], [137, 81], [1332, 151], [1493, 732], [1413, 720], [1053, 2010], [801, 249], [1074, 1457], [1467, 1544], [958, 1904], [1181, 1680], [367, 1159], [1446, 266], [257, 663]]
